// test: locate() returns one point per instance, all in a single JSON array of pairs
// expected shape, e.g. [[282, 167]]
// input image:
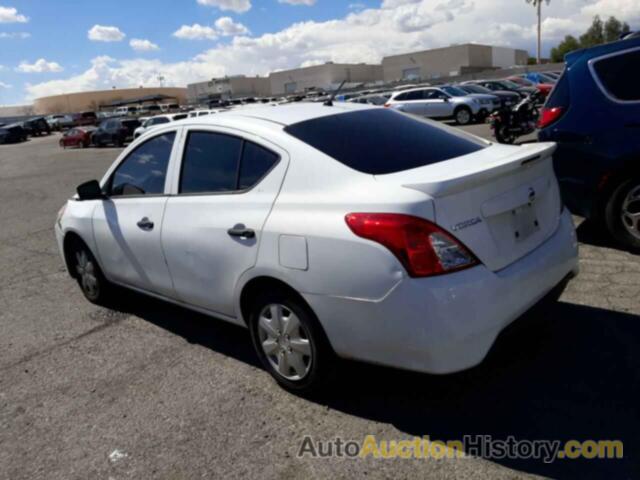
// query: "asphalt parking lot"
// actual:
[[149, 390]]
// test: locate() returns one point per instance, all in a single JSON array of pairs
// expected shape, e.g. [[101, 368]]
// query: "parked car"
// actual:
[[540, 77], [373, 99], [13, 133], [152, 122], [449, 239], [488, 103], [507, 85], [115, 131], [77, 137], [543, 88], [507, 98], [83, 119], [127, 111], [593, 114], [36, 126], [434, 102], [150, 110]]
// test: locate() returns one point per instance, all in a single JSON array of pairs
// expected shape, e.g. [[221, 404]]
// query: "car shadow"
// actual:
[[590, 233], [572, 375]]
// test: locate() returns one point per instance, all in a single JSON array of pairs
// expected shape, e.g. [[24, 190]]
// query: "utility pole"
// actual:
[[539, 51], [161, 79]]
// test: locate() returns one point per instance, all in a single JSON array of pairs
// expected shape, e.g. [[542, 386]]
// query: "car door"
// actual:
[[413, 102], [127, 225], [437, 104], [227, 184]]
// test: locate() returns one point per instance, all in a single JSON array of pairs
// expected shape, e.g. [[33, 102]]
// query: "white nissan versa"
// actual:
[[329, 230]]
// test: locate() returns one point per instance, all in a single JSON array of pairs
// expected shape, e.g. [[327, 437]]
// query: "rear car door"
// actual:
[[226, 186], [438, 104], [127, 225], [412, 102]]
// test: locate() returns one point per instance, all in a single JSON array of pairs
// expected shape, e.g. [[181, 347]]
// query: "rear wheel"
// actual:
[[290, 342], [622, 214], [503, 135], [463, 116]]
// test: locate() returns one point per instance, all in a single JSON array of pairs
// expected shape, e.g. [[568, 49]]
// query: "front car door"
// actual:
[[226, 186], [127, 225], [438, 104]]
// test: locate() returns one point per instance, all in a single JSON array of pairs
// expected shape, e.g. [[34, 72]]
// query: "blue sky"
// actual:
[[45, 45]]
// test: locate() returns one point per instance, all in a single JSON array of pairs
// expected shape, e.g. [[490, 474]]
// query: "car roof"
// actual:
[[283, 115]]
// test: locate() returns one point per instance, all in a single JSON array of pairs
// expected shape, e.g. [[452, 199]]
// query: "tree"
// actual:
[[594, 35], [613, 28], [569, 44], [538, 5]]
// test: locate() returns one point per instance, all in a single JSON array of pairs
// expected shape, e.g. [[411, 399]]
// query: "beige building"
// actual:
[[228, 87], [83, 101], [326, 76], [450, 61]]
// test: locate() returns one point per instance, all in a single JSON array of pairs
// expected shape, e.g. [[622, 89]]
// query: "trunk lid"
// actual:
[[501, 202]]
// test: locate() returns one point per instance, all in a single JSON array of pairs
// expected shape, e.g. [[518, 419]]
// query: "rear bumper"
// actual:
[[448, 323]]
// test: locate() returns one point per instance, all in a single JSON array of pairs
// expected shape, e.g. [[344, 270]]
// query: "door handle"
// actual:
[[145, 224], [241, 231]]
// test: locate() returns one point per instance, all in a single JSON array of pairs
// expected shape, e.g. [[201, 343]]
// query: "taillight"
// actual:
[[387, 105], [423, 248], [549, 116]]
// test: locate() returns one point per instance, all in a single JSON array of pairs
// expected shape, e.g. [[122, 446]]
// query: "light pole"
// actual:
[[161, 79], [538, 5]]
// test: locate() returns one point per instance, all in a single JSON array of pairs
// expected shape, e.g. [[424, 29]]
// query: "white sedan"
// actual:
[[151, 122], [329, 231]]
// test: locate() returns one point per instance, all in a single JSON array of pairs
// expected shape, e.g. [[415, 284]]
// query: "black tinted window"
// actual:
[[620, 75], [210, 163], [145, 169], [415, 95], [382, 141], [256, 162], [158, 121]]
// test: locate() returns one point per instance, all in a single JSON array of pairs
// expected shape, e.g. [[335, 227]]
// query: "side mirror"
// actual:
[[90, 191], [447, 100]]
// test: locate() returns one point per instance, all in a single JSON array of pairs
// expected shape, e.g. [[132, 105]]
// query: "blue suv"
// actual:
[[593, 114]]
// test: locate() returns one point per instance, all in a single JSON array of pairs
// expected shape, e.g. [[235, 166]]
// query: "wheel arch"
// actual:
[[70, 240], [629, 167]]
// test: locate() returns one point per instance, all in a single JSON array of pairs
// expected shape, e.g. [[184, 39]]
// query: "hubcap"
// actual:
[[285, 341], [631, 212], [463, 116], [86, 273]]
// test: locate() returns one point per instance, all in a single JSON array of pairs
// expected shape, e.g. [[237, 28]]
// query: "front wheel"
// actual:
[[463, 116], [290, 342], [622, 214], [90, 278]]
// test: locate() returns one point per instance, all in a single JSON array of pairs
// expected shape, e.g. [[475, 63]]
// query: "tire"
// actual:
[[118, 142], [504, 136], [463, 116], [622, 214], [87, 272], [290, 342]]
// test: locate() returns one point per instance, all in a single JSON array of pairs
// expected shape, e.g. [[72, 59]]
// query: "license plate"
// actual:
[[524, 221]]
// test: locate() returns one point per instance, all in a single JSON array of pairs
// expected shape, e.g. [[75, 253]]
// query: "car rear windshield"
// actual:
[[381, 141]]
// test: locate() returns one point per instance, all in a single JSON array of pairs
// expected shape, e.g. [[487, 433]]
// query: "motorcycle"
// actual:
[[510, 123]]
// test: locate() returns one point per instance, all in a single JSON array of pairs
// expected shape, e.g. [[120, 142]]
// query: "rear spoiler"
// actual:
[[460, 174]]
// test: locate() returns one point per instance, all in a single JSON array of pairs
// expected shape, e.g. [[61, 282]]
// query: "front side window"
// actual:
[[620, 76], [415, 95], [144, 171], [219, 163]]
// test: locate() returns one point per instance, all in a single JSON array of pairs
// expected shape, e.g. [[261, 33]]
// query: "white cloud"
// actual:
[[238, 6], [11, 15], [18, 35], [623, 10], [143, 45], [360, 36], [195, 32], [5, 85], [227, 27], [101, 33], [40, 66], [298, 2]]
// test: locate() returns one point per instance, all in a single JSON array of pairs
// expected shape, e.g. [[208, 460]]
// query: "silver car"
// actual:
[[434, 102]]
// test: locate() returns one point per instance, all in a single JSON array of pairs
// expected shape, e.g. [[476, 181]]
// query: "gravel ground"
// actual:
[[149, 390]]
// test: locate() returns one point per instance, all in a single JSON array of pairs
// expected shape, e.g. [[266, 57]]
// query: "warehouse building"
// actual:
[[94, 101], [450, 61], [323, 77], [228, 87]]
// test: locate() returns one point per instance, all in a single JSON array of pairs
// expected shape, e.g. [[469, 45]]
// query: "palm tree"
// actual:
[[538, 5]]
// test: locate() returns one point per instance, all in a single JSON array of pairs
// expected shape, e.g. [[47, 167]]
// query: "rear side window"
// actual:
[[620, 75], [380, 141], [256, 162], [210, 163], [215, 162]]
